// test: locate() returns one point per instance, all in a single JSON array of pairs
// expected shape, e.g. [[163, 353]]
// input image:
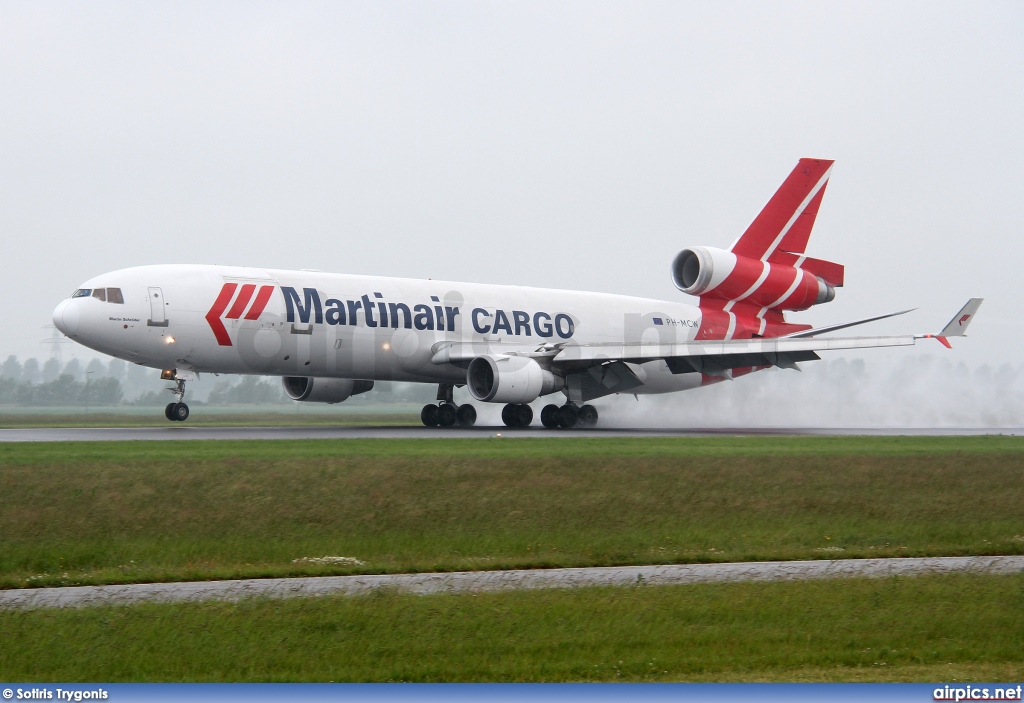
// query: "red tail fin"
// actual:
[[785, 223]]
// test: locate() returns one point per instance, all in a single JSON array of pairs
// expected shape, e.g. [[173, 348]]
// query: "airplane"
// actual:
[[330, 336]]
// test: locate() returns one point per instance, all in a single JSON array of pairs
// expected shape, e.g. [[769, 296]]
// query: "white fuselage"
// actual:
[[208, 319]]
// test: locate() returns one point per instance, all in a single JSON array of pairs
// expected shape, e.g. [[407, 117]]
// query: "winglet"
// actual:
[[957, 327]]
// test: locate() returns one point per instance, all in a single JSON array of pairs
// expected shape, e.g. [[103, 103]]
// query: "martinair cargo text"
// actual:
[[330, 336]]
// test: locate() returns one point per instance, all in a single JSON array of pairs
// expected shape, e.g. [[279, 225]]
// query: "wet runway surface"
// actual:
[[198, 432], [479, 581]]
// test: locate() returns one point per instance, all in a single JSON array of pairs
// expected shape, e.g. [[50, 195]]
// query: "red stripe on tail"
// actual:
[[762, 237], [798, 234], [213, 317]]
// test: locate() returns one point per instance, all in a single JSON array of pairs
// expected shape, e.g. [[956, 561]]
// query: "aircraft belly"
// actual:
[[284, 349]]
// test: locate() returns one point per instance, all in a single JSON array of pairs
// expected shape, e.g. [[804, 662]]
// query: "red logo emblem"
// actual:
[[244, 296], [964, 319]]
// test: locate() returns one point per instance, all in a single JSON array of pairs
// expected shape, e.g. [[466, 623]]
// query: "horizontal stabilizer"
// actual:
[[832, 328], [832, 273]]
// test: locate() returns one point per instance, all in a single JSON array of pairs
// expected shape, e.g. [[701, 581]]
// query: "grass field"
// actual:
[[953, 628], [77, 513]]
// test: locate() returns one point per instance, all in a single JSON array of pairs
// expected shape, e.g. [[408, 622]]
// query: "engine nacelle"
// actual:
[[697, 270], [323, 390], [500, 378], [716, 273]]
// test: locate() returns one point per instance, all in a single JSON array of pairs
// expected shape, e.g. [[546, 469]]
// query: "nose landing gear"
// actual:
[[178, 411]]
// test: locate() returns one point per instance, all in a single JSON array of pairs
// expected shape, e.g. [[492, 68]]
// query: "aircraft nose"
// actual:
[[65, 316]]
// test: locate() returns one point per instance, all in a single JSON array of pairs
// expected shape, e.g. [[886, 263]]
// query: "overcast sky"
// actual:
[[562, 144]]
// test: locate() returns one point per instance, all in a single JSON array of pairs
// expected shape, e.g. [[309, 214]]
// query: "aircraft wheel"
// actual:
[[588, 416], [567, 417], [179, 412], [466, 415], [428, 415], [514, 415], [167, 412], [447, 415], [549, 416]]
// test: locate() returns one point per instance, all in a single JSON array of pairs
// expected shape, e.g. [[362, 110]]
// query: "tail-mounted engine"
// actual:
[[715, 273], [323, 390]]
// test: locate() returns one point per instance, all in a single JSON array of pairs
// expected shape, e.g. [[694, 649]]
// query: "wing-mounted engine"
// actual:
[[323, 390], [503, 378], [717, 274]]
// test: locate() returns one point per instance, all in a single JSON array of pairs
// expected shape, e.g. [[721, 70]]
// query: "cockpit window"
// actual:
[[108, 295]]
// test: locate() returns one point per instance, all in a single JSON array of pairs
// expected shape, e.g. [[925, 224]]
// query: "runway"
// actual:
[[179, 432], [481, 581]]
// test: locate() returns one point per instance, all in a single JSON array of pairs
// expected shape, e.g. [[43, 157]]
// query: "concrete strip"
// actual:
[[478, 581]]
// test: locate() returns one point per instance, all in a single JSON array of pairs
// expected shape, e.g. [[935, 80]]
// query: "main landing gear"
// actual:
[[446, 413], [515, 415], [568, 416], [177, 412], [552, 416]]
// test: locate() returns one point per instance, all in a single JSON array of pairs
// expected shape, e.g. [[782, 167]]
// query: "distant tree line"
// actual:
[[116, 382], [52, 384], [250, 390]]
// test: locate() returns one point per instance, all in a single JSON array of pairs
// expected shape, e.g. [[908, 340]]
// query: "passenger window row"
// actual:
[[109, 295]]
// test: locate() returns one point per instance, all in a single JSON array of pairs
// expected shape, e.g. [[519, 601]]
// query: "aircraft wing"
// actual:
[[715, 358], [712, 357]]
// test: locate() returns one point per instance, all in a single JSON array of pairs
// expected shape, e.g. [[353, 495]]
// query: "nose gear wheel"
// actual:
[[177, 412]]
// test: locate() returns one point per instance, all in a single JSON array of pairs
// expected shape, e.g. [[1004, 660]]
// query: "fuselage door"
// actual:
[[157, 305]]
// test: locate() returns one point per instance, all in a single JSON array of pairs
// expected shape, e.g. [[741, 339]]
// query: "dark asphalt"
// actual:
[[196, 432]]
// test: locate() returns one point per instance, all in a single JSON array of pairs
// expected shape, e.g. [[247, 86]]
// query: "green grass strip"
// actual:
[[963, 627], [90, 513], [507, 446]]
